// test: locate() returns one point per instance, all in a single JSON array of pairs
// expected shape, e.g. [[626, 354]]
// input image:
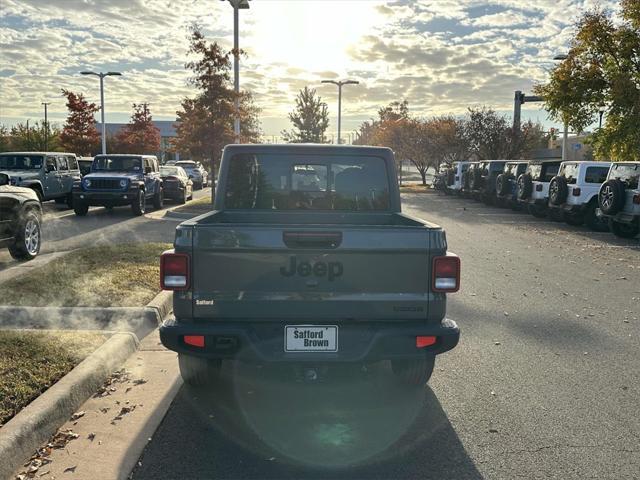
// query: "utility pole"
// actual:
[[46, 126]]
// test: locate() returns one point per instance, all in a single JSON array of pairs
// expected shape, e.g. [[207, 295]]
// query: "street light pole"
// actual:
[[104, 127], [340, 84], [565, 135], [46, 126], [237, 6], [236, 69]]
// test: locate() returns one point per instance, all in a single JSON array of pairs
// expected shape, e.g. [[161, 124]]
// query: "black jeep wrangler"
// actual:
[[20, 218]]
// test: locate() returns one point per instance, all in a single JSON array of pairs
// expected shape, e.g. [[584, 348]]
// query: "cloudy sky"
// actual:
[[442, 55]]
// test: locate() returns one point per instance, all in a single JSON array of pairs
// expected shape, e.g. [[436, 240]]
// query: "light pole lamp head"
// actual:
[[88, 73], [351, 82], [239, 4], [113, 74], [561, 57]]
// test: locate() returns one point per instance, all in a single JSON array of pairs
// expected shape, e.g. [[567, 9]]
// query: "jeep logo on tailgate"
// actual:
[[331, 270]]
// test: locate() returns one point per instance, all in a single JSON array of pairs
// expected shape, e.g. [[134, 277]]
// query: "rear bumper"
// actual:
[[264, 341], [565, 207]]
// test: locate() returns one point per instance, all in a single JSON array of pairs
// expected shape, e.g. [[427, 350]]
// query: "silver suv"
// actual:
[[619, 199], [50, 174]]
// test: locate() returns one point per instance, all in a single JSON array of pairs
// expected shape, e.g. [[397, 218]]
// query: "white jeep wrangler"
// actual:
[[619, 199], [573, 192], [454, 176], [533, 185]]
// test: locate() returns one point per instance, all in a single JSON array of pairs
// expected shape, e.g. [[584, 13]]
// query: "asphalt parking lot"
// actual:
[[544, 384]]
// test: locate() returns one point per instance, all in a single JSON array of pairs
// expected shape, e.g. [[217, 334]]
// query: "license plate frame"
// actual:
[[330, 334]]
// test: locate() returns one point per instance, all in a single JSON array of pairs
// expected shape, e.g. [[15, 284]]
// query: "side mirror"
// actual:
[[4, 179], [191, 176], [51, 168], [147, 170]]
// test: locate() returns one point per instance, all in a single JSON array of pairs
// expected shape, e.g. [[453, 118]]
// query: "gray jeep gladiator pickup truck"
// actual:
[[306, 258]]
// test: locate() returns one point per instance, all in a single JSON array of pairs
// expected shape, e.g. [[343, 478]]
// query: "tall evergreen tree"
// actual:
[[310, 119]]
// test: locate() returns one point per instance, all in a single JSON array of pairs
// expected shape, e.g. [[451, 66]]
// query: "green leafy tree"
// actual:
[[205, 122], [140, 135], [602, 69], [310, 119], [79, 134], [5, 139], [34, 138], [491, 136]]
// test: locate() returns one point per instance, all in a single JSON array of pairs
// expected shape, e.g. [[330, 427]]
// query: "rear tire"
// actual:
[[416, 372], [574, 219], [198, 372], [591, 219], [537, 211], [624, 230], [80, 208]]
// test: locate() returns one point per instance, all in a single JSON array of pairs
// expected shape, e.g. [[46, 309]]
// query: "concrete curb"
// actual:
[[35, 424], [181, 215]]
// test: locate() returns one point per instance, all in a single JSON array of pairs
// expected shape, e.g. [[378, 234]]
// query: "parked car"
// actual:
[[50, 174], [506, 187], [484, 184], [455, 175], [344, 280], [533, 185], [439, 181], [574, 193], [176, 183], [196, 172], [467, 177], [85, 165], [619, 199], [117, 180], [20, 220]]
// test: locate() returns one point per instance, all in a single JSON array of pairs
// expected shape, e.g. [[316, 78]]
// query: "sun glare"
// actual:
[[310, 35]]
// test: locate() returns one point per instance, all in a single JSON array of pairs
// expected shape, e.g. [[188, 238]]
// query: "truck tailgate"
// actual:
[[305, 272]]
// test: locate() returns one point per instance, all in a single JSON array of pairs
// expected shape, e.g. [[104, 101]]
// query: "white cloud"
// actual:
[[435, 53]]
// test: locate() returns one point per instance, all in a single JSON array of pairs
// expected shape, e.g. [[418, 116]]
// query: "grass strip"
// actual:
[[106, 276], [31, 362]]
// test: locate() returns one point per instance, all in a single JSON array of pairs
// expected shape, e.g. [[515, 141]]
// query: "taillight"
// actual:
[[446, 273], [425, 341], [174, 271], [194, 340], [576, 192], [636, 199]]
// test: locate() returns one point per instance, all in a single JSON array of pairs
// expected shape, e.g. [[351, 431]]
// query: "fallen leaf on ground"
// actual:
[[70, 469], [77, 415]]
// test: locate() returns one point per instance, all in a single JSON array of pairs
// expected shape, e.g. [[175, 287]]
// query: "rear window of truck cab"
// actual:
[[306, 182]]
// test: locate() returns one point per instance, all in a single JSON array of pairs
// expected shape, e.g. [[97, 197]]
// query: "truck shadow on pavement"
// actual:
[[267, 423]]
